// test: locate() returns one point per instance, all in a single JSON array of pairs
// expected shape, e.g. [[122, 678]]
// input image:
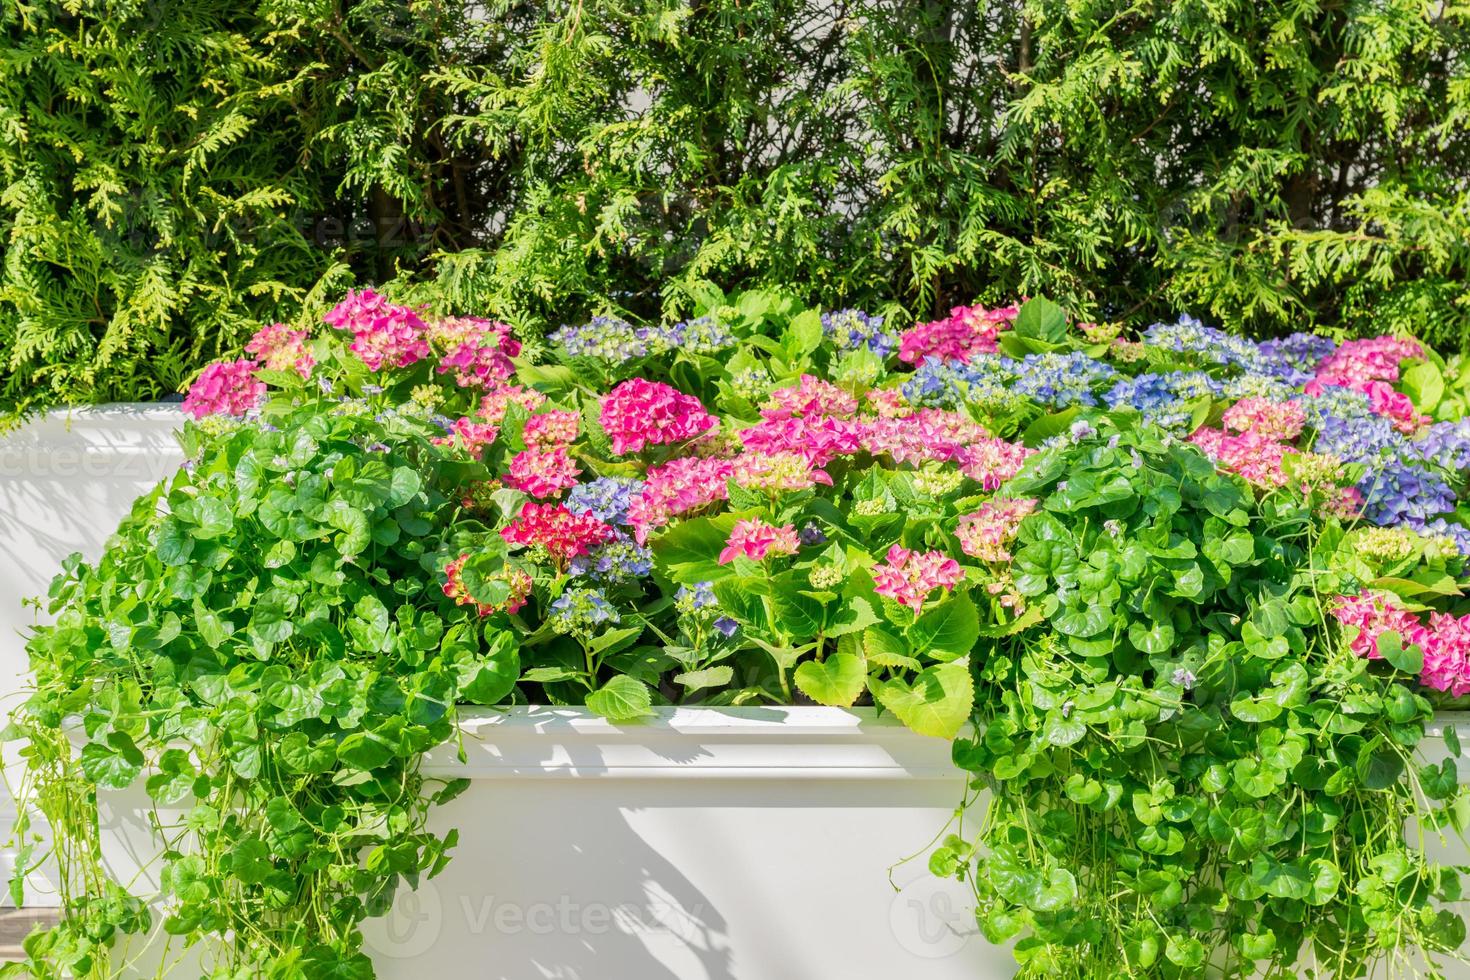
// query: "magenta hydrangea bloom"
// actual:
[[384, 334], [967, 331], [640, 413], [225, 388]]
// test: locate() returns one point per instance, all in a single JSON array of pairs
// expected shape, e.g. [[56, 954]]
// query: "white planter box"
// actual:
[[705, 844], [740, 844], [66, 479]]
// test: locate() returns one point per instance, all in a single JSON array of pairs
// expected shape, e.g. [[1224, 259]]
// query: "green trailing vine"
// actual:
[[265, 648], [1188, 767]]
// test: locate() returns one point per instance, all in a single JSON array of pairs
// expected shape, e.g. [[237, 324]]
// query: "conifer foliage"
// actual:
[[173, 172]]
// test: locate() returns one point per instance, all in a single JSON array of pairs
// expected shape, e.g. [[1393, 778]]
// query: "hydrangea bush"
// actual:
[[1184, 603]]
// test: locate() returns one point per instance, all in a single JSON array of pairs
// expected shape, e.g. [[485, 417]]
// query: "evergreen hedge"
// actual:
[[174, 171]]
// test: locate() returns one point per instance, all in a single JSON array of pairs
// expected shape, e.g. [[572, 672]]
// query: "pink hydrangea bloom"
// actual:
[[563, 534], [678, 487], [225, 388], [639, 413], [1447, 654], [1371, 359], [518, 581], [494, 405], [909, 576], [477, 351], [819, 439], [384, 334], [554, 428], [930, 434], [1393, 405], [280, 348], [991, 462], [967, 331], [1254, 456], [1274, 420], [755, 539], [543, 472], [987, 532], [1373, 613], [470, 436], [1445, 641], [813, 397]]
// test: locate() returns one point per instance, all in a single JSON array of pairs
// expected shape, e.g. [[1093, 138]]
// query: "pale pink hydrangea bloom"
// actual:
[[991, 462], [1271, 419], [494, 405], [384, 334], [987, 532], [777, 472], [470, 436], [812, 397], [280, 348], [930, 434], [543, 472], [755, 539], [555, 428], [889, 403], [967, 331], [477, 351], [909, 576], [225, 388], [640, 413], [678, 487]]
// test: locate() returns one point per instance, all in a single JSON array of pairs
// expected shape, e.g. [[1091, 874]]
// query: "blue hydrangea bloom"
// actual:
[[607, 498], [851, 329]]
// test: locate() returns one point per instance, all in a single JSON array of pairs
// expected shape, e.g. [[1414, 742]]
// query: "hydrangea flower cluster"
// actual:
[[543, 472], [1061, 380], [563, 534], [615, 341], [638, 413], [620, 560], [225, 388], [279, 348], [1444, 641], [606, 498], [477, 351], [987, 533], [1189, 336], [517, 582], [853, 329], [579, 611], [384, 334], [909, 577], [755, 539], [966, 332]]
